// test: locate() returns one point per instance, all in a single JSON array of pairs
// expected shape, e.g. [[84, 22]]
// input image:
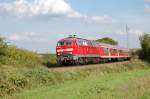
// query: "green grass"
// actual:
[[95, 86], [146, 95], [14, 80]]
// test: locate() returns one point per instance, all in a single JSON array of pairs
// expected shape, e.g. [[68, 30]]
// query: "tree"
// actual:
[[145, 45], [108, 41], [3, 46]]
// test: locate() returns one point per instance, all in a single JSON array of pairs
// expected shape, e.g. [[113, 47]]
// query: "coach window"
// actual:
[[106, 50], [125, 52], [89, 43], [68, 43], [120, 51], [85, 43], [115, 50], [79, 42]]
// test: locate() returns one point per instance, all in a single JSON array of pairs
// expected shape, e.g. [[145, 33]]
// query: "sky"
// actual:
[[37, 25]]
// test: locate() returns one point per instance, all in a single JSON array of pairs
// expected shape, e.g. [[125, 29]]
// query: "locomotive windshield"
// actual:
[[64, 43], [60, 43]]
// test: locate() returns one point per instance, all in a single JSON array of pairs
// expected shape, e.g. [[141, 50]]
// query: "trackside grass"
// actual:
[[146, 95], [124, 85], [92, 82]]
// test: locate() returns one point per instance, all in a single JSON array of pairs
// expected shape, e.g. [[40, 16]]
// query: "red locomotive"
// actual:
[[73, 50]]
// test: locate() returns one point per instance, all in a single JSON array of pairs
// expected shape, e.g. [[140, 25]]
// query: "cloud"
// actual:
[[135, 32], [50, 8], [26, 36], [39, 7], [147, 6], [148, 1], [102, 19], [121, 32], [39, 42]]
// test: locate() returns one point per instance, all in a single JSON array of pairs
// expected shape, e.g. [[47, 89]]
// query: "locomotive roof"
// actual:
[[74, 38], [112, 46], [97, 43]]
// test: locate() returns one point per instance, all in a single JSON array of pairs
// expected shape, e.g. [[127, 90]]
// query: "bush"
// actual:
[[11, 55], [11, 81], [16, 56], [3, 47], [135, 53], [49, 60], [14, 80], [145, 44]]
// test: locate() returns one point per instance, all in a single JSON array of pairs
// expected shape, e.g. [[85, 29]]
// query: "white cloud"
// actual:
[[121, 32], [148, 1], [147, 6], [135, 32], [56, 8], [102, 19], [39, 7], [26, 36]]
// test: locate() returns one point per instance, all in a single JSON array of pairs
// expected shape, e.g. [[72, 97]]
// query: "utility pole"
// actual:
[[127, 33]]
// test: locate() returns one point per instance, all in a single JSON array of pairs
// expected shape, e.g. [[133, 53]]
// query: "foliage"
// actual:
[[49, 60], [108, 41], [15, 79], [3, 46], [11, 55], [145, 45], [135, 52], [17, 56]]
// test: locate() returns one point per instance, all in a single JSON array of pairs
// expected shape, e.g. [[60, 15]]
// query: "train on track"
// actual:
[[73, 50]]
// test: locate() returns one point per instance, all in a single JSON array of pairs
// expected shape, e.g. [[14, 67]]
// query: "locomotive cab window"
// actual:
[[60, 44], [68, 43]]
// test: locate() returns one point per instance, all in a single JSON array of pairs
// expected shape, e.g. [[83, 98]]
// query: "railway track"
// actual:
[[89, 66]]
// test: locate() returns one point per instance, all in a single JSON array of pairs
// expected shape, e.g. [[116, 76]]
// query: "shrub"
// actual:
[[135, 53], [3, 47], [11, 80], [145, 44], [49, 60], [3, 50], [15, 79], [16, 56]]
